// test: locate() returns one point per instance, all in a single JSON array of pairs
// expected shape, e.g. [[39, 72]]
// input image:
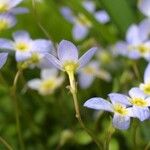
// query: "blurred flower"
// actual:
[[7, 21], [81, 24], [145, 87], [144, 7], [3, 58], [137, 43], [10, 6], [90, 72], [48, 83], [122, 114], [68, 57], [26, 48]]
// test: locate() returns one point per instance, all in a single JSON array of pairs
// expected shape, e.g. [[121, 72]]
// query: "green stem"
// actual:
[[73, 90], [147, 147], [17, 109], [5, 143]]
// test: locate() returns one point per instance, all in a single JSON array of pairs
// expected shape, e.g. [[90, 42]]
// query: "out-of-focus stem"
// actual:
[[73, 90], [8, 146], [17, 109]]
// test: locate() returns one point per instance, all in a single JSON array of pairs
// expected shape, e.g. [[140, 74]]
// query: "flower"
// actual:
[[25, 48], [3, 58], [68, 57], [144, 7], [48, 83], [145, 87], [81, 24], [7, 21], [10, 6], [88, 74], [118, 106]]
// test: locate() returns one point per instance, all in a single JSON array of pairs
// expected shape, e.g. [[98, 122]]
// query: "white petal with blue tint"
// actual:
[[119, 98], [47, 73], [147, 74], [19, 10], [6, 44], [102, 16], [22, 56], [141, 113], [144, 7], [121, 122], [137, 93], [86, 57], [89, 6], [79, 31], [34, 84], [14, 3], [99, 104], [85, 80], [3, 58], [53, 61], [67, 51]]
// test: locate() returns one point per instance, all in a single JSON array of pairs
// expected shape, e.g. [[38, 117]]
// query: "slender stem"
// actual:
[[73, 90], [17, 109], [8, 146], [134, 134], [147, 146]]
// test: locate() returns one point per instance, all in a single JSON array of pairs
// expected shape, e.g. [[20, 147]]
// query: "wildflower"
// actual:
[[144, 7], [48, 83], [88, 74], [10, 6], [81, 24], [7, 21], [3, 58], [145, 87], [25, 48], [118, 106], [68, 57]]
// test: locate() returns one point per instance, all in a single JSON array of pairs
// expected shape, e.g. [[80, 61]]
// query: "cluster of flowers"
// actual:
[[137, 42]]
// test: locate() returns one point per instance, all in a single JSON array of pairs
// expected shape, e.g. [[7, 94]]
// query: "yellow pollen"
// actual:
[[70, 66], [143, 48], [82, 19], [118, 108], [35, 58], [139, 102], [145, 88], [21, 46], [3, 24], [3, 8]]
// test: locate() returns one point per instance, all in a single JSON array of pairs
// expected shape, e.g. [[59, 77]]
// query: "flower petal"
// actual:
[[22, 56], [6, 44], [144, 7], [121, 122], [147, 74], [14, 3], [47, 73], [119, 98], [89, 6], [67, 51], [53, 61], [3, 58], [19, 10], [99, 103], [34, 84], [86, 57], [79, 31], [137, 93]]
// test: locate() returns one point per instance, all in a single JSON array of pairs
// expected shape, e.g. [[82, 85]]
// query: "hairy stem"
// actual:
[[73, 90], [17, 109], [8, 146]]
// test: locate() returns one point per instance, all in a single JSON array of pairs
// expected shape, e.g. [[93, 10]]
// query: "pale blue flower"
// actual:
[[68, 59], [81, 24], [10, 6], [26, 48], [118, 106], [3, 58], [48, 82], [144, 7], [7, 21]]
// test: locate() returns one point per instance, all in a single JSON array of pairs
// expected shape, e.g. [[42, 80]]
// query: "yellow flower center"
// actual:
[[145, 88], [22, 46], [89, 70], [3, 8], [118, 108], [139, 102], [3, 24], [35, 58], [47, 86], [143, 48], [82, 19], [70, 66]]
